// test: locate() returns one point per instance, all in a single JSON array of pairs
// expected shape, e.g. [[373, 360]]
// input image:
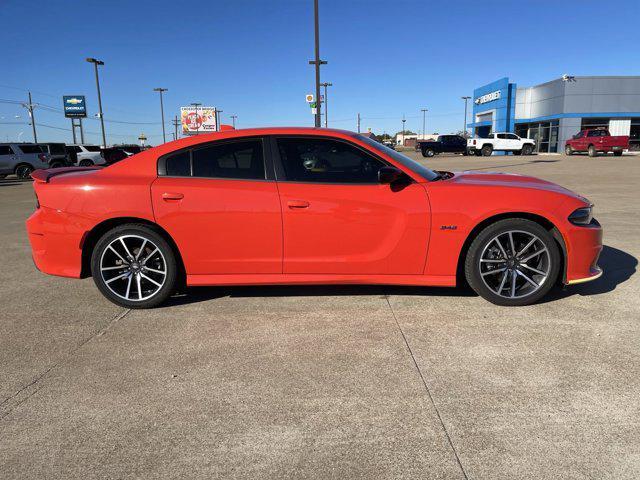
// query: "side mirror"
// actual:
[[389, 174]]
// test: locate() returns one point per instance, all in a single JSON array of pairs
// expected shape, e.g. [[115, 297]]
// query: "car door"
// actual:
[[7, 160], [514, 142], [501, 142], [580, 141], [221, 208], [445, 143], [337, 217]]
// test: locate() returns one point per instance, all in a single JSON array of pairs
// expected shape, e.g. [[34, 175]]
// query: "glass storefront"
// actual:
[[634, 134], [545, 134]]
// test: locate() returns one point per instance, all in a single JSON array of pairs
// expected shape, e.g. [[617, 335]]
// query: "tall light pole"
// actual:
[[95, 64], [32, 118], [464, 129], [233, 120], [196, 105], [326, 103], [403, 130], [424, 122], [160, 90], [317, 62]]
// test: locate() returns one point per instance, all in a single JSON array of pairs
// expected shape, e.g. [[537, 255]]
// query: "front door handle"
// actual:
[[168, 196], [298, 204]]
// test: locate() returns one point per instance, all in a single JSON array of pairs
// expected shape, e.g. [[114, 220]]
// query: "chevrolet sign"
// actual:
[[74, 106], [489, 97]]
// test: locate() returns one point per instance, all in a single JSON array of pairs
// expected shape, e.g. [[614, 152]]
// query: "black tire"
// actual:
[[465, 153], [486, 150], [85, 163], [618, 153], [168, 264], [23, 171], [568, 150], [428, 152], [592, 151], [3, 175], [517, 152], [527, 149], [478, 153], [484, 240]]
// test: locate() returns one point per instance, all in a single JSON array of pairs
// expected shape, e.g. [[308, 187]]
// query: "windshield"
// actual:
[[405, 161]]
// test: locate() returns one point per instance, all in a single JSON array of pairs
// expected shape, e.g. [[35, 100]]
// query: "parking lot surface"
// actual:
[[329, 382]]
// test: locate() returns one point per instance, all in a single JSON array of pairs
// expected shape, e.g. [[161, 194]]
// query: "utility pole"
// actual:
[[424, 122], [403, 130], [326, 103], [216, 112], [95, 64], [160, 90], [464, 128], [196, 105], [233, 120], [358, 122], [317, 62], [33, 118], [175, 126]]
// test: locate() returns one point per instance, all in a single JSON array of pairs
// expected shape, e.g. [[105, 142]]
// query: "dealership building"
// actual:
[[553, 112]]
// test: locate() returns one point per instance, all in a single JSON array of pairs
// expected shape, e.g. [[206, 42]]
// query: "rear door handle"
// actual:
[[298, 204], [168, 196]]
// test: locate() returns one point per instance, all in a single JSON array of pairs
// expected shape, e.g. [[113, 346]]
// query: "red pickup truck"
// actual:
[[595, 141]]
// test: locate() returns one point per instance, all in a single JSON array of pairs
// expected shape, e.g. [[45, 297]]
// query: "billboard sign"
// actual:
[[198, 120], [74, 106]]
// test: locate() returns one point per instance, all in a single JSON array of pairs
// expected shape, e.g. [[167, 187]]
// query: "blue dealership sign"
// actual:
[[74, 106]]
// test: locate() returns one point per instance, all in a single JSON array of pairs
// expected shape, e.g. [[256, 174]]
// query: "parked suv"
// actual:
[[500, 142], [58, 154], [85, 155], [21, 159]]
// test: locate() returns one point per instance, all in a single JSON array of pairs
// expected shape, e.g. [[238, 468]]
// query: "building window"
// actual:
[[634, 134], [544, 134], [591, 123]]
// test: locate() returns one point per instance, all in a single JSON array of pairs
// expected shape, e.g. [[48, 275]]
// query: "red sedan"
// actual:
[[306, 206]]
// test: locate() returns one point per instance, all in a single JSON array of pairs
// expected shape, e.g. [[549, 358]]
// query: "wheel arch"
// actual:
[[539, 219], [90, 239]]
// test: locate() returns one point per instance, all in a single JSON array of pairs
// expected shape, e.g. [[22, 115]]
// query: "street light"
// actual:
[[403, 130], [160, 90], [196, 105], [464, 128], [233, 120], [326, 103], [424, 121], [95, 64]]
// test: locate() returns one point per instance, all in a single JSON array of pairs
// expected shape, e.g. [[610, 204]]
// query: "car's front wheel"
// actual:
[[486, 150], [513, 262], [134, 266], [527, 149], [428, 152], [568, 150], [592, 151]]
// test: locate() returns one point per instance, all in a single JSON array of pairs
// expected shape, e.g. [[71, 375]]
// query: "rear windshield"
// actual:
[[92, 148], [31, 148], [403, 160]]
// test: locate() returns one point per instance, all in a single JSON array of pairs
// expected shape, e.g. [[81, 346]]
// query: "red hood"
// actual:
[[498, 179]]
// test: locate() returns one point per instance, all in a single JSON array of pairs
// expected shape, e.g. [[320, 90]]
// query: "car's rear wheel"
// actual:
[[486, 150], [592, 151], [568, 150], [527, 149], [134, 266], [513, 262], [85, 163], [23, 171], [428, 152]]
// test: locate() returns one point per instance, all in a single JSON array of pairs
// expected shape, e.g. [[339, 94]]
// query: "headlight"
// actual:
[[582, 216]]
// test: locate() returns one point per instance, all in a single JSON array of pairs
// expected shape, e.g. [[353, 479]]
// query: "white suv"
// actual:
[[500, 142], [85, 155]]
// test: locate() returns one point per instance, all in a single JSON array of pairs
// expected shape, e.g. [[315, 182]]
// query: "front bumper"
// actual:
[[584, 245]]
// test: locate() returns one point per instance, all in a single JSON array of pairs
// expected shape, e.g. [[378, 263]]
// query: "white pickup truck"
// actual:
[[500, 142]]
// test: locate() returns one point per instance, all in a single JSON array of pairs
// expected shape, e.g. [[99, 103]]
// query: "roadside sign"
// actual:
[[309, 98], [194, 121], [74, 106]]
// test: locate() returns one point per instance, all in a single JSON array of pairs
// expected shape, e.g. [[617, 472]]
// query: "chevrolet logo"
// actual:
[[74, 101]]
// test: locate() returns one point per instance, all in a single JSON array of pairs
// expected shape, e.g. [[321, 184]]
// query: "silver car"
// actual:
[[21, 159]]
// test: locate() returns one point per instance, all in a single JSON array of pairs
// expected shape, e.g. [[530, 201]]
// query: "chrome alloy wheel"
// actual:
[[515, 264], [133, 268]]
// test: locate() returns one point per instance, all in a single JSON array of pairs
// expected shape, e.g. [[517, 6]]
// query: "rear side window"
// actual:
[[241, 160], [57, 148], [179, 164], [31, 148], [6, 150]]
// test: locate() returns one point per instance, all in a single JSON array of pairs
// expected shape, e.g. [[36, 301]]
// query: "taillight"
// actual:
[[474, 141]]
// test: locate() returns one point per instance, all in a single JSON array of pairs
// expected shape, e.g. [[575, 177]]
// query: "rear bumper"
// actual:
[[584, 245], [54, 250]]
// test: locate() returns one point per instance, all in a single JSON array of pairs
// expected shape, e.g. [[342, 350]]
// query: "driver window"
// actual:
[[326, 161]]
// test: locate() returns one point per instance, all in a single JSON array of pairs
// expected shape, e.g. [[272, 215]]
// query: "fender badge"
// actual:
[[448, 227]]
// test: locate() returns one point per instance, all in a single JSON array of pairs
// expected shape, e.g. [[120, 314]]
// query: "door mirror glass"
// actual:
[[389, 174]]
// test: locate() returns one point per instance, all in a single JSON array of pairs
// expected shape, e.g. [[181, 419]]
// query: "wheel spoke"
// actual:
[[125, 248], [116, 278], [151, 280], [513, 284], [504, 280], [534, 254], [504, 253], [155, 271], [128, 286], [527, 278], [490, 272], [146, 259], [513, 247], [139, 287], [141, 249], [119, 256], [117, 267], [531, 242], [492, 260], [539, 272]]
